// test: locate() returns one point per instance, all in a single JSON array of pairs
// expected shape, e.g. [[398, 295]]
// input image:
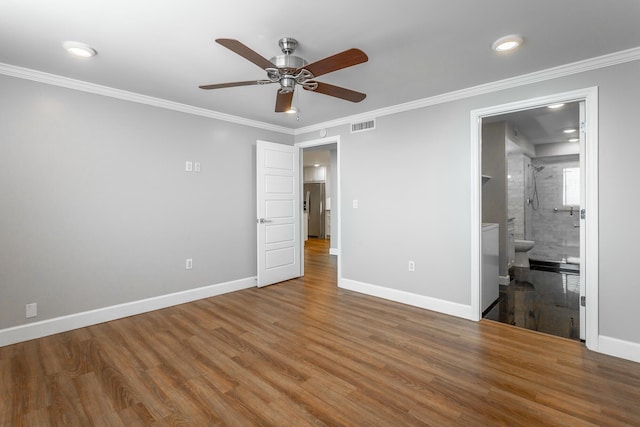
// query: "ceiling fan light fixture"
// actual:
[[292, 110], [507, 43], [287, 84], [79, 49]]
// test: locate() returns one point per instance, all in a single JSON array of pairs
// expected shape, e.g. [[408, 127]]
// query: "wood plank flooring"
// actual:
[[305, 353]]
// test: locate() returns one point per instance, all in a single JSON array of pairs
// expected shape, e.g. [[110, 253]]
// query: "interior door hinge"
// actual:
[[583, 301], [583, 213]]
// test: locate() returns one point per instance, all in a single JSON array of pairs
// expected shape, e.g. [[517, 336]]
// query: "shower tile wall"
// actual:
[[516, 184], [555, 233], [556, 229]]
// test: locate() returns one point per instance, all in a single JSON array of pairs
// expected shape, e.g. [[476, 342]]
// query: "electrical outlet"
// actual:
[[355, 204], [189, 264], [32, 310], [196, 166], [188, 166], [412, 266]]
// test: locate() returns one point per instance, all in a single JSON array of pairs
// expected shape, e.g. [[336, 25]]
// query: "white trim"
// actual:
[[415, 300], [56, 325], [513, 82], [504, 280], [52, 79], [510, 83], [335, 198], [590, 255], [619, 348]]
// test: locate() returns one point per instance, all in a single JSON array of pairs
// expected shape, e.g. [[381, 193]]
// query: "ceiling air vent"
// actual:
[[363, 126]]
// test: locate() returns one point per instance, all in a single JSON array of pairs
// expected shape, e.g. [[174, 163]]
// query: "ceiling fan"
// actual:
[[290, 70]]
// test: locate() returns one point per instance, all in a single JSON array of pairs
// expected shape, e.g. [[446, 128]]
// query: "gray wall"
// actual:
[[97, 209], [419, 207]]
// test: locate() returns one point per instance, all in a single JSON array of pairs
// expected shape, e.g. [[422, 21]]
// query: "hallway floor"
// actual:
[[542, 301]]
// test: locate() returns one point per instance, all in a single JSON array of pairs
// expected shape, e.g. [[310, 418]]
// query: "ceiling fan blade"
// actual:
[[283, 101], [234, 84], [336, 62], [338, 92], [246, 53]]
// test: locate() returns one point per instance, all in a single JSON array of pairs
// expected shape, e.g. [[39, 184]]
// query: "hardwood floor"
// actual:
[[304, 352]]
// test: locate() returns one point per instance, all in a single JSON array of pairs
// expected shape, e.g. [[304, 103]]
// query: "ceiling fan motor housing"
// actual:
[[288, 63], [287, 84]]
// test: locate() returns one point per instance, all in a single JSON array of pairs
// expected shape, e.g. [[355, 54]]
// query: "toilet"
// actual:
[[522, 248]]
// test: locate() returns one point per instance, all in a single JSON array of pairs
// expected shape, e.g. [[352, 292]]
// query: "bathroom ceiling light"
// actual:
[[79, 49], [507, 43], [569, 130], [555, 106]]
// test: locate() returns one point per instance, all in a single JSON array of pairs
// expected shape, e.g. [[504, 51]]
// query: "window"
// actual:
[[571, 186]]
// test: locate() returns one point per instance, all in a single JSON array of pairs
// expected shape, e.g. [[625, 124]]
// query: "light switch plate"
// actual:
[[188, 166]]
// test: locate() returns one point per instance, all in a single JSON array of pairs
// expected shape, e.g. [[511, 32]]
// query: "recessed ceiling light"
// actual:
[[555, 106], [79, 49], [315, 165], [574, 139], [507, 43], [569, 130]]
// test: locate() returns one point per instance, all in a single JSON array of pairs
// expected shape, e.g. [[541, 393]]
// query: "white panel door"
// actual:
[[278, 207]]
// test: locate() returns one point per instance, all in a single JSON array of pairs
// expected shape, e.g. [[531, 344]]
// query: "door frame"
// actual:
[[589, 176], [335, 198]]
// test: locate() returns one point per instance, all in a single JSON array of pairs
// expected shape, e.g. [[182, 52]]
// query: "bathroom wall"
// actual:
[[516, 182], [494, 190], [552, 228]]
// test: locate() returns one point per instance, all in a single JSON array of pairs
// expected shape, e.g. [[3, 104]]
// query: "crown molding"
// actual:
[[510, 83], [55, 80]]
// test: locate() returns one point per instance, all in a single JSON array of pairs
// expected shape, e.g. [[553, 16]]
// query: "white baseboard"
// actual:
[[56, 325], [428, 303], [504, 280], [334, 251], [619, 348]]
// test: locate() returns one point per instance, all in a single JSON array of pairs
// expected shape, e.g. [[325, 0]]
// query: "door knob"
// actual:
[[264, 220]]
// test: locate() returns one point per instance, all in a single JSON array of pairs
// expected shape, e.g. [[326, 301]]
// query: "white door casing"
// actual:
[[583, 228], [589, 181], [278, 212]]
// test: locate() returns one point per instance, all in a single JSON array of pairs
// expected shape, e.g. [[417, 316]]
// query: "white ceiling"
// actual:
[[543, 125], [417, 49]]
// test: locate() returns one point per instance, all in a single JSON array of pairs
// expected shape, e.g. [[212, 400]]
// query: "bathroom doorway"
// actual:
[[538, 190], [542, 260]]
